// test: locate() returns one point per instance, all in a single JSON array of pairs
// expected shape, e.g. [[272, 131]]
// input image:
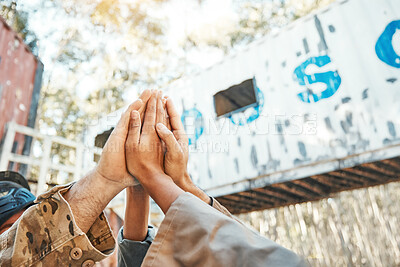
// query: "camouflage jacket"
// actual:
[[47, 235]]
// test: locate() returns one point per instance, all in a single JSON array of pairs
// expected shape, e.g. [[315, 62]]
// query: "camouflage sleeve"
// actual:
[[47, 235]]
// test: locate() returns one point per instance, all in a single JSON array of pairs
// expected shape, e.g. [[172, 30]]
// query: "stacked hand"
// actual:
[[144, 153], [157, 156], [112, 165]]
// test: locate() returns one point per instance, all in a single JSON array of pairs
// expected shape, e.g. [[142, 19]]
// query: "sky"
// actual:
[[203, 22]]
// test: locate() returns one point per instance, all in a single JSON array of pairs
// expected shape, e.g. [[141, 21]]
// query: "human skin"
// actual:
[[136, 213], [137, 203], [90, 195], [177, 152], [145, 154]]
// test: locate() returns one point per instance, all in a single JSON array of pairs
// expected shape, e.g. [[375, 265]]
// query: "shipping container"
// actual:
[[304, 112], [20, 84]]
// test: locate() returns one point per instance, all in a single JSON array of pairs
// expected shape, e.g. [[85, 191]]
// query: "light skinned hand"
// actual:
[[176, 141], [177, 153], [145, 155], [112, 164]]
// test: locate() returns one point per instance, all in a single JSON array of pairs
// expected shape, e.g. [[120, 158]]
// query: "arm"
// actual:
[[110, 176], [194, 234], [136, 213], [135, 238], [67, 226]]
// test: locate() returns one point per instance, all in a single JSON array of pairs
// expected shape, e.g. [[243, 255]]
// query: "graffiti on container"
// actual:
[[193, 121], [250, 114], [387, 47], [331, 80], [323, 82]]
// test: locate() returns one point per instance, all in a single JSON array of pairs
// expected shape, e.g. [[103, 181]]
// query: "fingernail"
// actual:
[[134, 114], [161, 127]]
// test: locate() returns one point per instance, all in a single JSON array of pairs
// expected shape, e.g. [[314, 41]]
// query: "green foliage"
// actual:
[[257, 18], [108, 45], [18, 20]]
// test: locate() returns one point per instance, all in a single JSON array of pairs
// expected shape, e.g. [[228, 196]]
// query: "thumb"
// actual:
[[168, 137]]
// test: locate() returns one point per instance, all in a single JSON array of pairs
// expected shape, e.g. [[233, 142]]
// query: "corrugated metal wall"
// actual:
[[20, 83]]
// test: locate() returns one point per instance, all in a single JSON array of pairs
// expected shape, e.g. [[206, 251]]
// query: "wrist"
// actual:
[[186, 183], [86, 201], [137, 191], [148, 176], [188, 186], [106, 183]]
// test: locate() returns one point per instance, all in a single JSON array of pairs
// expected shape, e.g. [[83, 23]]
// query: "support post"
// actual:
[[7, 148], [44, 166]]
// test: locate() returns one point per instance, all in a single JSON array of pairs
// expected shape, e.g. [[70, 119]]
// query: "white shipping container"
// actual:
[[329, 88]]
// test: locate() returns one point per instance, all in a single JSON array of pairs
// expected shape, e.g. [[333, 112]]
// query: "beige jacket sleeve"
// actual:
[[195, 234], [47, 235]]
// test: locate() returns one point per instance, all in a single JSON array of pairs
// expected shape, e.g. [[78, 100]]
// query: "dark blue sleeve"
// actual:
[[131, 253]]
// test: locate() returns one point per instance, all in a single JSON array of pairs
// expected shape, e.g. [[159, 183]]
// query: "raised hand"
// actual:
[[145, 155], [176, 156], [112, 164], [91, 194], [177, 153]]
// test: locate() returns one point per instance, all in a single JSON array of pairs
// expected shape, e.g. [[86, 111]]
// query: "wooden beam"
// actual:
[[311, 186], [375, 167], [255, 195], [245, 199], [354, 175], [325, 181]]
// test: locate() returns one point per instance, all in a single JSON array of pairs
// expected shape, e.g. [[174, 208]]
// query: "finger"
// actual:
[[166, 118], [182, 138], [134, 129], [174, 117], [168, 123], [145, 96], [150, 115], [168, 137], [122, 126], [160, 109]]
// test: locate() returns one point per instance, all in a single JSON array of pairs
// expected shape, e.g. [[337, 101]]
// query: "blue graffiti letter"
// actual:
[[330, 78], [197, 122], [384, 46]]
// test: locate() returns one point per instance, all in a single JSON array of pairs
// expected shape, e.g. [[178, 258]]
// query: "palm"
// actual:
[[112, 163]]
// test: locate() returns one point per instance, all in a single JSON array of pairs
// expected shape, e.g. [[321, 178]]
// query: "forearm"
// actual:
[[187, 185], [161, 188], [136, 213], [89, 197]]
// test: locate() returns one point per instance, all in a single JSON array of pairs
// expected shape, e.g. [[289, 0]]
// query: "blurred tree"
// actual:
[[255, 19], [107, 48], [18, 20]]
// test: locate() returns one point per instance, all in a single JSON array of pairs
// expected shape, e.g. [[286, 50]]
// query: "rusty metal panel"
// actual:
[[328, 89], [20, 82]]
